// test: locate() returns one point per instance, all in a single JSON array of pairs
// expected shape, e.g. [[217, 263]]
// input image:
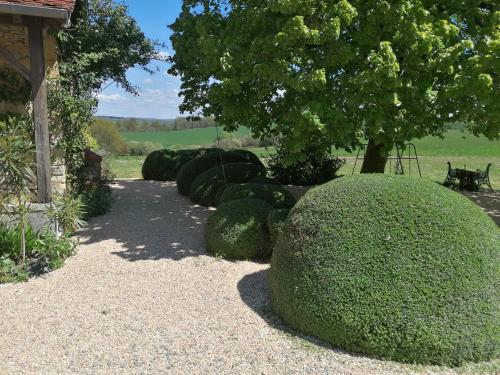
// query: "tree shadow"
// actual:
[[150, 220], [488, 201]]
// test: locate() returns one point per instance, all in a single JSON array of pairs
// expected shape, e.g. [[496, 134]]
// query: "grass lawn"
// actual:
[[461, 149]]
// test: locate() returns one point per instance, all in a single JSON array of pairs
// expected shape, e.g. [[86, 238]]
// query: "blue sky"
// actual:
[[158, 92]]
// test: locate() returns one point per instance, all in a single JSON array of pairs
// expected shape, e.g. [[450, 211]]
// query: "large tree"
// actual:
[[332, 73]]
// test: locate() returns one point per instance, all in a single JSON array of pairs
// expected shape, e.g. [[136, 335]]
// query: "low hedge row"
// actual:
[[204, 188], [275, 195]]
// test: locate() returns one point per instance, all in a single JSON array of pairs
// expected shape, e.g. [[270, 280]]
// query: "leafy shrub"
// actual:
[[312, 170], [44, 252], [249, 156], [163, 165], [136, 148], [275, 223], [237, 230], [276, 196], [219, 194], [97, 200], [391, 266], [108, 137], [205, 187], [203, 163]]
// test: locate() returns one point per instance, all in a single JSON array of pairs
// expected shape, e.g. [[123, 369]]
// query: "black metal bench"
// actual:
[[483, 177], [470, 180]]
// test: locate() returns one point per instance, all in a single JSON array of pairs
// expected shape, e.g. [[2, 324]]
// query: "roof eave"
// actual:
[[35, 11]]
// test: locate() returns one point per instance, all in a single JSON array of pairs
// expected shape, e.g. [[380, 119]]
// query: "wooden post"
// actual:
[[40, 110]]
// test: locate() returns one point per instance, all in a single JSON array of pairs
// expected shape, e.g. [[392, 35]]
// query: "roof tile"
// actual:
[[60, 4]]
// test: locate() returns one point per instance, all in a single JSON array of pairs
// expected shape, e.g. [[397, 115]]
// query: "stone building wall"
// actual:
[[14, 38]]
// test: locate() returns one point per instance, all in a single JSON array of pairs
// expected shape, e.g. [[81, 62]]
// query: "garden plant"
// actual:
[[391, 266]]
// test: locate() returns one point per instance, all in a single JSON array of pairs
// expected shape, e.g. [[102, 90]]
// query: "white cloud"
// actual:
[[111, 98], [148, 81], [163, 55]]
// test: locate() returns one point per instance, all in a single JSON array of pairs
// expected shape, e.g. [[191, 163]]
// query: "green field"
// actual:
[[182, 138], [461, 149]]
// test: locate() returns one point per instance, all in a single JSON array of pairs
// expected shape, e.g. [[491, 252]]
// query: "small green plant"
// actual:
[[66, 212], [16, 173]]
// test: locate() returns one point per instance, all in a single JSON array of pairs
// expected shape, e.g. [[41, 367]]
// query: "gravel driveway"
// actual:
[[141, 297]]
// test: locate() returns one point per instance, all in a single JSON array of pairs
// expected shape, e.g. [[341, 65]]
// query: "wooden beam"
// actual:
[[15, 63], [40, 110]]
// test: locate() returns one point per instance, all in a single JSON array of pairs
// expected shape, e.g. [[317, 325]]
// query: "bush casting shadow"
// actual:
[[151, 221]]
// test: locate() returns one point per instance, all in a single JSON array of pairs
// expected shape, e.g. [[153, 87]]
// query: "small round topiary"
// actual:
[[195, 167], [275, 195], [205, 187], [237, 230], [249, 157], [275, 223], [163, 165], [391, 266]]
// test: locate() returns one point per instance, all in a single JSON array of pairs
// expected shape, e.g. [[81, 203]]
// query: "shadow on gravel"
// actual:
[[254, 291], [150, 221]]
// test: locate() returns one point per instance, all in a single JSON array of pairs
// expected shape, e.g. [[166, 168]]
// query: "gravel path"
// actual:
[[141, 297]]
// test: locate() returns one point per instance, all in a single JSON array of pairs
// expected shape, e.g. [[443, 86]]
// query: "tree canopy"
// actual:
[[332, 73]]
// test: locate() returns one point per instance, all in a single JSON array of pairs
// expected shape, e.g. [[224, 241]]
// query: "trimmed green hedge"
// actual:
[[163, 165], [276, 223], [195, 167], [204, 188], [391, 266], [249, 156], [237, 230], [265, 180], [275, 195]]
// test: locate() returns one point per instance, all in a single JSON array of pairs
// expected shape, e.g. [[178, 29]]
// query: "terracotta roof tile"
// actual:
[[60, 4]]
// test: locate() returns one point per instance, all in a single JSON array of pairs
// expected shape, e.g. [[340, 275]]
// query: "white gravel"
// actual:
[[141, 297]]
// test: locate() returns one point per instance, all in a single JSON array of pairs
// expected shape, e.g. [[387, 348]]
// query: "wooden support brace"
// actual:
[[15, 63], [40, 110]]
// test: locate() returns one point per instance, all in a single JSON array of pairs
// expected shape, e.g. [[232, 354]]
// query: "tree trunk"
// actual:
[[375, 158]]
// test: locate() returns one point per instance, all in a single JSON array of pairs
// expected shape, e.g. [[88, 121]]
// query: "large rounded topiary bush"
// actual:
[[204, 188], [276, 196], [237, 230], [195, 167], [395, 267], [276, 221], [249, 156], [163, 165]]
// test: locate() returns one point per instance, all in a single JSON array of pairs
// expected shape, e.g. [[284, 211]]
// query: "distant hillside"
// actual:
[[130, 124]]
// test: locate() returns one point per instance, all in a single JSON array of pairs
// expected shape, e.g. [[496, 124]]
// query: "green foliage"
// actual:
[[195, 167], [10, 245], [237, 230], [16, 172], [330, 73], [275, 195], [66, 212], [249, 156], [13, 87], [102, 44], [108, 138], [310, 170], [394, 267], [164, 165], [265, 180], [204, 189], [142, 148], [96, 198], [276, 221], [44, 251]]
